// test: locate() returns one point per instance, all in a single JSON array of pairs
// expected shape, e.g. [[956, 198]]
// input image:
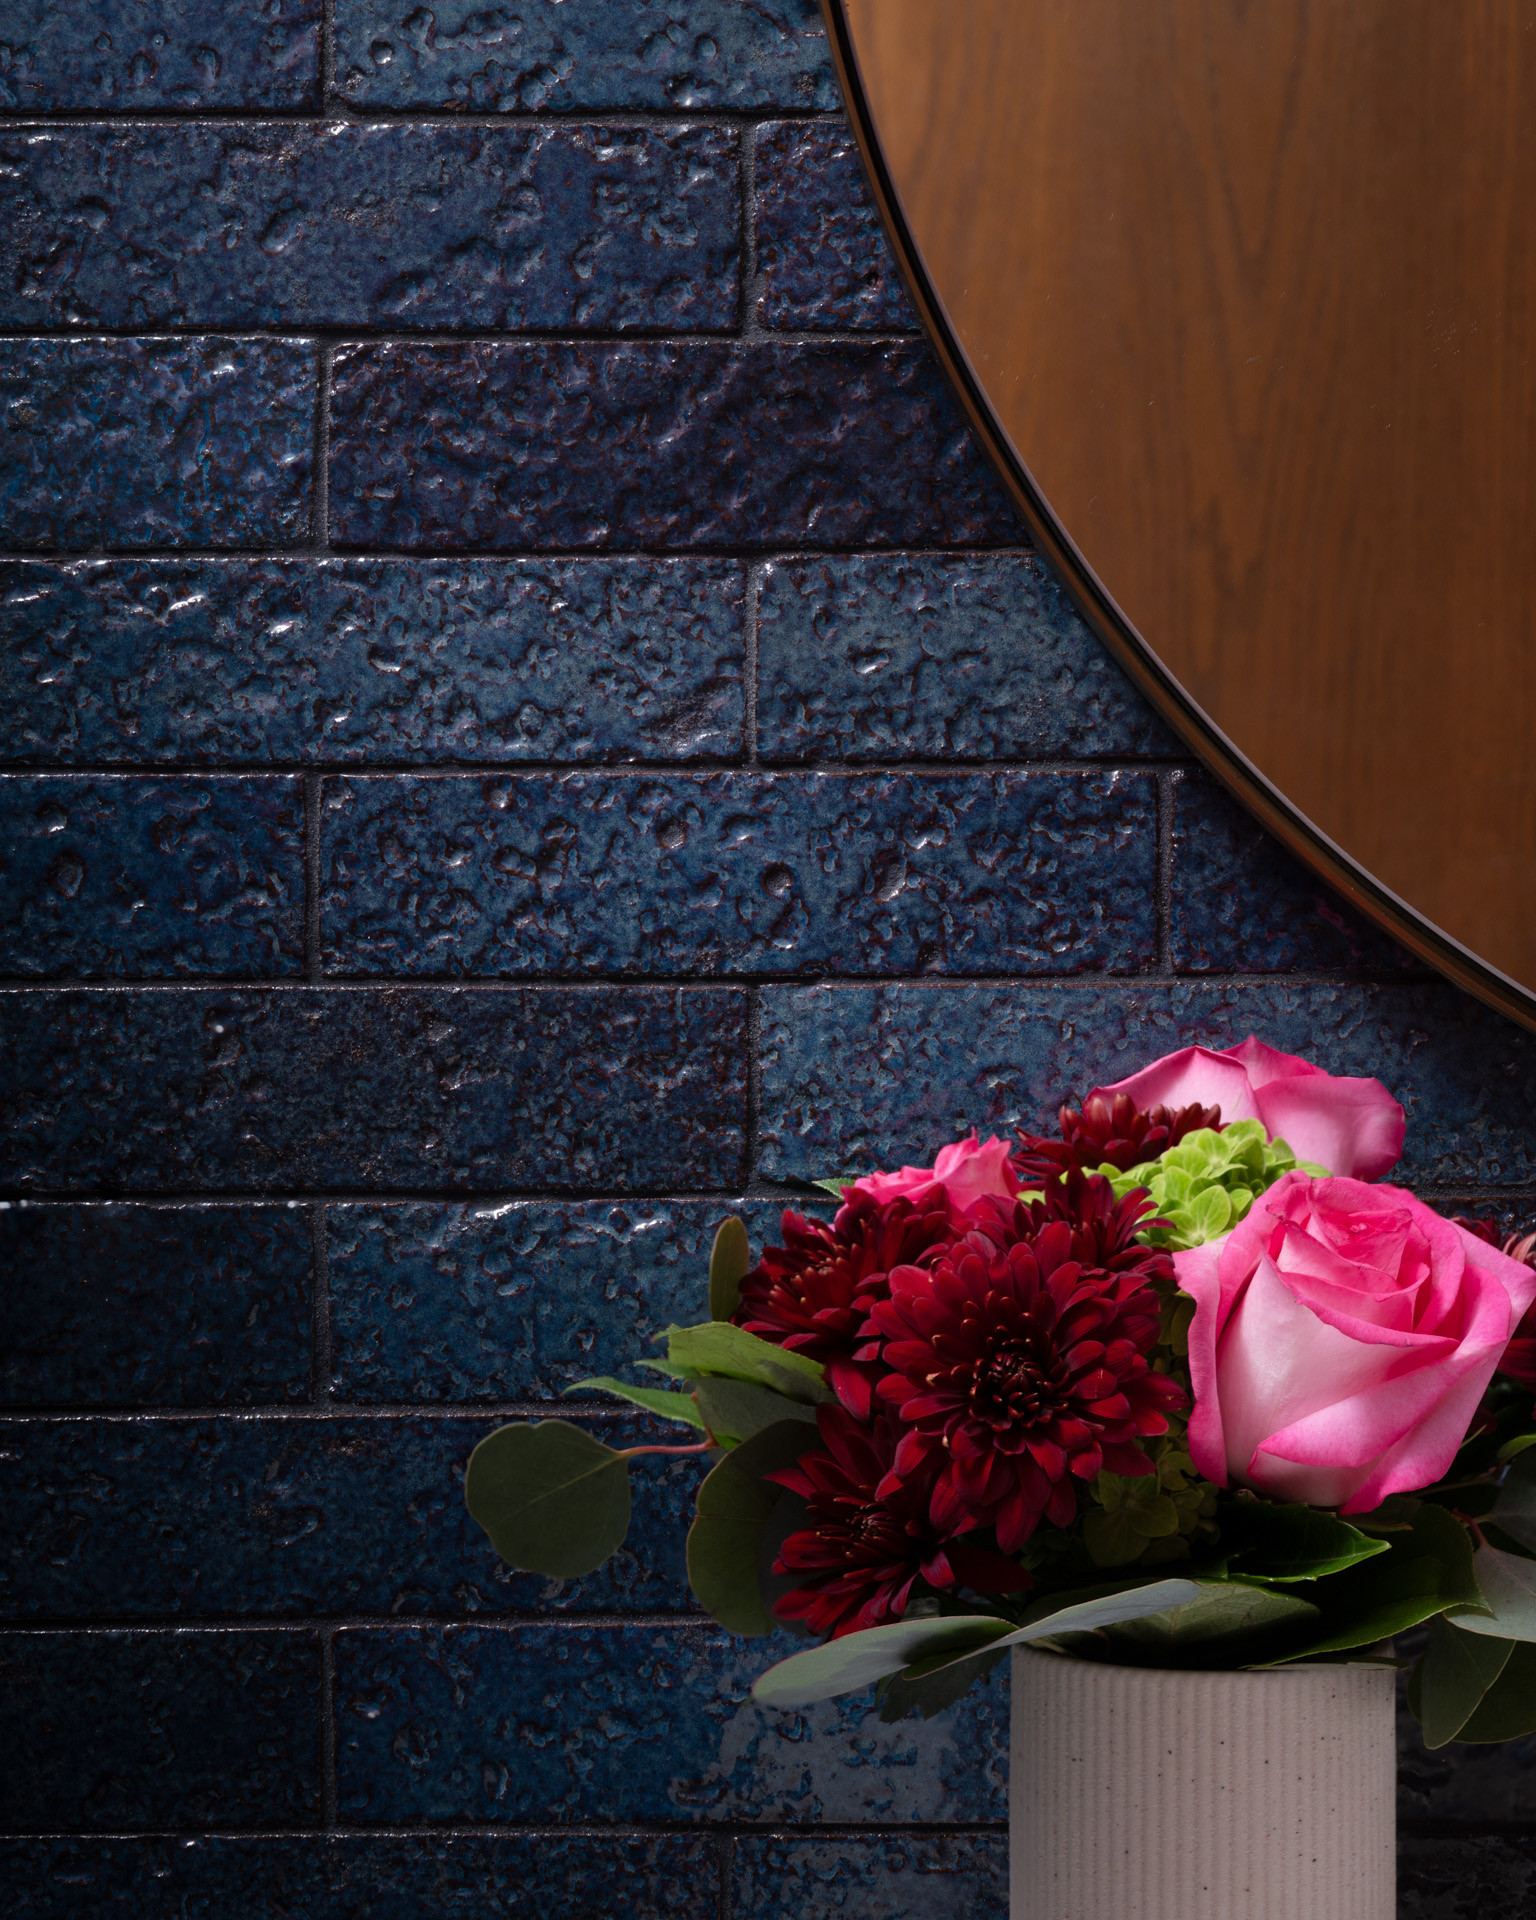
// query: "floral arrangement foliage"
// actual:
[[1186, 1384]]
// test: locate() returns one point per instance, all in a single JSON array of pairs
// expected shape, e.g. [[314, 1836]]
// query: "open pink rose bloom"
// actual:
[[967, 1171], [1342, 1339], [1351, 1127]]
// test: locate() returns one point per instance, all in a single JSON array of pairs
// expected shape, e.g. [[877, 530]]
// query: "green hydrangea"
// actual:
[[1204, 1185], [1149, 1521]]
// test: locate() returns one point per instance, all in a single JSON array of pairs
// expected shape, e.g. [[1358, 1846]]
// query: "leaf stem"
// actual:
[[633, 1453]]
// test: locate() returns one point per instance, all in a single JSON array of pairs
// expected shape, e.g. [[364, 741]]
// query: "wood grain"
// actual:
[[1250, 286]]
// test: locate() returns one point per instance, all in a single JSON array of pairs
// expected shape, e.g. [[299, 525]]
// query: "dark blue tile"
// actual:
[[1241, 904], [495, 1876], [822, 256], [127, 57], [855, 1077], [146, 879], [739, 873], [155, 443], [414, 1089], [929, 656], [394, 226], [503, 444], [125, 1305], [120, 1731], [147, 1518], [514, 1302], [140, 661], [560, 54], [615, 1724], [904, 1877], [1446, 1878]]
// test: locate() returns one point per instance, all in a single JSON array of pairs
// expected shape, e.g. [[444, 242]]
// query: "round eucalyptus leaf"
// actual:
[[553, 1499]]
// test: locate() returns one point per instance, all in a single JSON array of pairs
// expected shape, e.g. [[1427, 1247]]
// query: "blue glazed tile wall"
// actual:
[[526, 724]]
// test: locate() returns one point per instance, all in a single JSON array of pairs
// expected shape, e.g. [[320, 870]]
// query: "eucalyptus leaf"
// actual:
[[735, 1504], [1292, 1542], [734, 1410], [1507, 1582], [1512, 1449], [716, 1347], [1219, 1611], [835, 1187], [1508, 1709], [931, 1691], [1515, 1508], [553, 1499], [657, 1400], [1456, 1671], [729, 1259]]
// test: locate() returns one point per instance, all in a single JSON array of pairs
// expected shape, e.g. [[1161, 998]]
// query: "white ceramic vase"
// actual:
[[1137, 1794]]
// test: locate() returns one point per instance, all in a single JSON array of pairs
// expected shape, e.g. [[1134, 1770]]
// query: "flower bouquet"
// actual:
[[1183, 1386]]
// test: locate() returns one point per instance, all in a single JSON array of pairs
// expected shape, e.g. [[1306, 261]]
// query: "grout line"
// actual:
[[584, 1830], [748, 321], [751, 1146], [313, 796], [359, 555], [325, 68], [364, 333], [725, 1862], [638, 768], [336, 106], [327, 1729], [346, 1621], [1164, 887], [320, 1383], [320, 481], [751, 615]]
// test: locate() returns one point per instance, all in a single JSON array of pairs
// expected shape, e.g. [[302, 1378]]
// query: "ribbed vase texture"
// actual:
[[1136, 1794]]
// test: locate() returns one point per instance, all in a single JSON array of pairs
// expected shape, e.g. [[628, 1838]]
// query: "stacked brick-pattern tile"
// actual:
[[526, 723]]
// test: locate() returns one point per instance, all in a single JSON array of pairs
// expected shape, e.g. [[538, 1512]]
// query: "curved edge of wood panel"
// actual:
[[1270, 807]]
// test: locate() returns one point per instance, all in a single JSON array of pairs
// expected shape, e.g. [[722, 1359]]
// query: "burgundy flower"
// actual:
[[814, 1293], [1114, 1132], [1103, 1228], [865, 1549], [1018, 1371], [1519, 1361]]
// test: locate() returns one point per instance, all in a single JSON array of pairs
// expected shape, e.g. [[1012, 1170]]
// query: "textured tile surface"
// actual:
[[514, 1302], [482, 444], [155, 443], [618, 1724], [152, 1518], [560, 54], [761, 873], [936, 656], [122, 1731], [123, 56], [904, 1877], [226, 1290], [139, 661], [855, 1077], [821, 254], [364, 1877], [141, 879], [335, 1089], [302, 225], [1475, 1879], [1241, 904]]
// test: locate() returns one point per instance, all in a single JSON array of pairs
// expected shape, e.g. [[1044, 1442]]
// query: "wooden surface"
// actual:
[[1251, 286]]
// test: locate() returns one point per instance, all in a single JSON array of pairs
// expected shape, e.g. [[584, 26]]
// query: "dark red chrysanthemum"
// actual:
[[1519, 1361], [814, 1293], [1115, 1133], [1103, 1228], [1019, 1371]]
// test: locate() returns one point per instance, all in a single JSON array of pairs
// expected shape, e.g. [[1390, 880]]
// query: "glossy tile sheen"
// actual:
[[902, 1877], [298, 225], [155, 443], [614, 1724], [147, 879], [822, 257], [860, 1077], [738, 873], [141, 661], [936, 656], [287, 1518], [152, 1730], [702, 444], [364, 1877], [245, 1091], [1241, 904], [123, 56], [556, 55], [515, 1302], [226, 1292]]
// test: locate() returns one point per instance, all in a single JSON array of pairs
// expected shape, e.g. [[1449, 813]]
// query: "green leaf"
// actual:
[[835, 1187], [1286, 1543], [732, 1352], [735, 1504], [1507, 1582], [858, 1659], [926, 1693], [553, 1499], [670, 1406], [1220, 1611], [1456, 1671], [734, 1410], [1515, 1508], [1512, 1449], [1508, 1708], [729, 1259]]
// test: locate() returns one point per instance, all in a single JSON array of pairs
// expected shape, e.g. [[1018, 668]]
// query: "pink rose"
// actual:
[[1342, 1339], [1352, 1127], [968, 1171]]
